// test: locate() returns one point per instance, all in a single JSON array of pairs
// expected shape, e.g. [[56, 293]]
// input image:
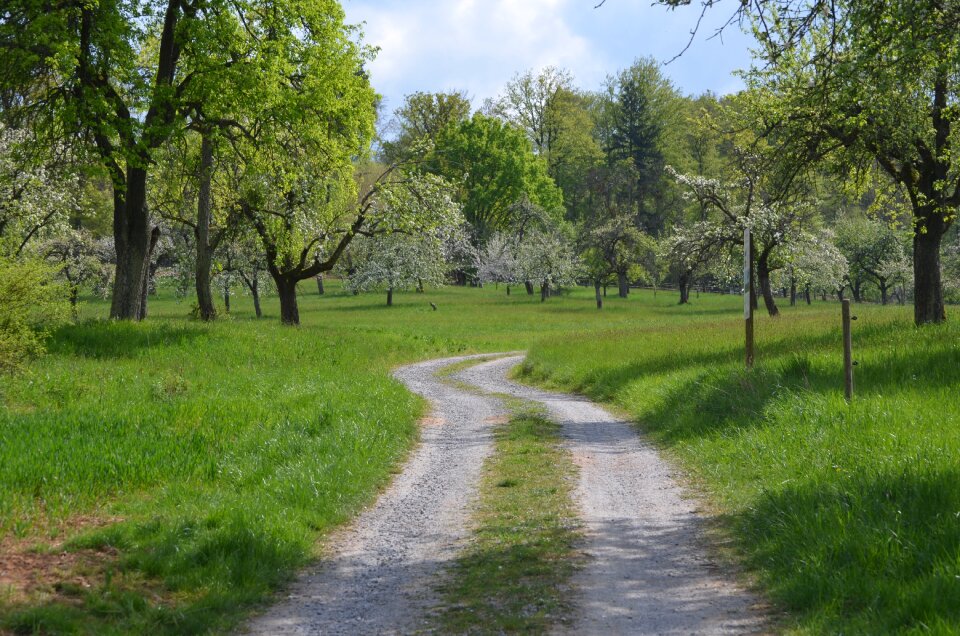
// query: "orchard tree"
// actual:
[[79, 260], [125, 76], [399, 261], [547, 258], [37, 195], [813, 263], [693, 249], [497, 260], [621, 247], [871, 247]]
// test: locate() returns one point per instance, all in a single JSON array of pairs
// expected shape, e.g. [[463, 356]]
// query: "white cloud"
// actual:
[[478, 45], [472, 45]]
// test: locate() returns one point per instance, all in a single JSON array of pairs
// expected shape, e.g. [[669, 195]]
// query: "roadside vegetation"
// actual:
[[846, 514], [187, 468]]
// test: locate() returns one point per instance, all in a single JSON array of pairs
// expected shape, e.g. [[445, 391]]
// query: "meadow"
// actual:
[[846, 515], [191, 468]]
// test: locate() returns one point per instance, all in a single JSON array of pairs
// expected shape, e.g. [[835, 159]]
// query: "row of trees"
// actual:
[[237, 139]]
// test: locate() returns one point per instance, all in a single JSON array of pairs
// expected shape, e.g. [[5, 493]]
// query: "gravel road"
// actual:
[[381, 571], [647, 571]]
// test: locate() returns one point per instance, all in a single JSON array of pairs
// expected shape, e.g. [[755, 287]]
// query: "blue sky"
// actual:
[[478, 45]]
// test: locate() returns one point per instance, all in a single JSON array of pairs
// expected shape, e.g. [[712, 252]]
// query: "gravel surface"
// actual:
[[648, 571], [380, 575]]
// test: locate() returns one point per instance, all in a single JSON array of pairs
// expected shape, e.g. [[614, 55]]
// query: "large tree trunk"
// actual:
[[763, 277], [390, 297], [623, 286], [131, 236], [927, 286], [320, 289], [855, 287], [806, 293], [508, 289], [544, 291], [287, 290], [529, 286], [207, 310], [793, 291], [596, 290], [884, 289]]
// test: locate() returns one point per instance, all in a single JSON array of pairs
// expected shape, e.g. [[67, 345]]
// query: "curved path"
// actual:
[[647, 571]]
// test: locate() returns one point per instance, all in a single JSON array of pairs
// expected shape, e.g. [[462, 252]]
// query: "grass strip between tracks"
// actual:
[[515, 572]]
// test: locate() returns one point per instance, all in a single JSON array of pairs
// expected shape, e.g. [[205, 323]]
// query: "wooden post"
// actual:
[[847, 352], [747, 300]]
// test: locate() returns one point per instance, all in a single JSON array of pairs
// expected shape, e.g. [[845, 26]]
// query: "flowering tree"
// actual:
[[79, 258], [764, 195], [36, 197], [814, 263], [398, 261], [547, 257], [497, 260]]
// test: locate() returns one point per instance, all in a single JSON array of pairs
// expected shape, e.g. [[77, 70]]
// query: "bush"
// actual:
[[31, 303]]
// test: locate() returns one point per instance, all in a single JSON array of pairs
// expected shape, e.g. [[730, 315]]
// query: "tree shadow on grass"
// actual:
[[121, 339], [862, 553], [720, 394], [195, 576]]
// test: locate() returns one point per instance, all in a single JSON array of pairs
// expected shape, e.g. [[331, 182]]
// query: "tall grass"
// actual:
[[848, 514], [217, 454]]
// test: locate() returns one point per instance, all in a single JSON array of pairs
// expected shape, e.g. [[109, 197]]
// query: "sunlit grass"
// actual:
[[848, 514], [218, 454]]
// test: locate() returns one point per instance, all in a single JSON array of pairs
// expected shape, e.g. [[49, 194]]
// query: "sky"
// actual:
[[479, 45]]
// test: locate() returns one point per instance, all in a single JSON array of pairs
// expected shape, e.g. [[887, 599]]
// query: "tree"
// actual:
[[547, 258], [79, 259], [880, 81], [399, 261], [530, 103], [637, 111], [36, 195], [497, 260], [622, 247], [871, 247], [764, 195], [421, 118], [125, 75], [494, 166]]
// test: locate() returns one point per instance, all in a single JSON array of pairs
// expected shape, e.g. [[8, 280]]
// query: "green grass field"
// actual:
[[194, 466], [847, 515]]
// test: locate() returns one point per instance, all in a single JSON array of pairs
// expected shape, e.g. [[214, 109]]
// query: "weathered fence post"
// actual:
[[847, 351]]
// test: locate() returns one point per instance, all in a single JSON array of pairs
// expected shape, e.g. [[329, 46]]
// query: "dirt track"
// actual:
[[647, 571]]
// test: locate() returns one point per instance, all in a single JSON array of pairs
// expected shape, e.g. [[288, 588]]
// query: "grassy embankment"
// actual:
[[848, 515], [188, 469]]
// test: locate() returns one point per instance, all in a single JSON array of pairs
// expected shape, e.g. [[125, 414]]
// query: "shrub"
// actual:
[[31, 303]]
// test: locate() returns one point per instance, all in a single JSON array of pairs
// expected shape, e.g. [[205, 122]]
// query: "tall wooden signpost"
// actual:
[[747, 296]]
